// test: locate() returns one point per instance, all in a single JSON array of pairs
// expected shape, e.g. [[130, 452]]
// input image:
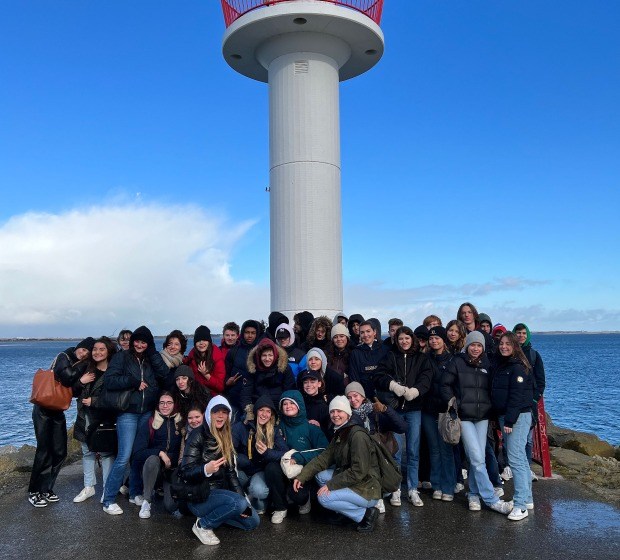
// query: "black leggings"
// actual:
[[50, 429], [281, 488]]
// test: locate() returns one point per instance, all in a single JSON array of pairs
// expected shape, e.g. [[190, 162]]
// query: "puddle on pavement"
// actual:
[[593, 517]]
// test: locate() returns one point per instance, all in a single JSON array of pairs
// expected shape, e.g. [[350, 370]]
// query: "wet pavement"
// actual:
[[568, 523]]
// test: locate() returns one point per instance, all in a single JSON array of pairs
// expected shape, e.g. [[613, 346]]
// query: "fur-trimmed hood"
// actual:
[[322, 321], [253, 362]]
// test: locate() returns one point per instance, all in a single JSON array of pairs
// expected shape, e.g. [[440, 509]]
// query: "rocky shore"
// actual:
[[575, 455]]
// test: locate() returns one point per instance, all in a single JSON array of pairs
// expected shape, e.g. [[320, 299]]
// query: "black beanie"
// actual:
[[440, 332], [202, 333], [421, 332], [87, 343], [184, 371]]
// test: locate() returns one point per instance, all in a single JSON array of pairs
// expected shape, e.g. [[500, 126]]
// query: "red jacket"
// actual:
[[216, 380]]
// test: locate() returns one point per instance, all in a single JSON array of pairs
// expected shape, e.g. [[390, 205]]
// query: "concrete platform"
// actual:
[[567, 523]]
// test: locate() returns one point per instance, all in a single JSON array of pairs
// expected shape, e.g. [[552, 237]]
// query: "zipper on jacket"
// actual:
[[405, 380]]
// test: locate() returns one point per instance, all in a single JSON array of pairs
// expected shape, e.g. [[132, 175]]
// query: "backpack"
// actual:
[[389, 470]]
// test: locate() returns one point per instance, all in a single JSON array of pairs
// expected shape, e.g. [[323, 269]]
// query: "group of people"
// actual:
[[282, 416]]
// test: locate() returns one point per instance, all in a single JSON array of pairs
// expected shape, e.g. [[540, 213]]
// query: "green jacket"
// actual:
[[353, 453]]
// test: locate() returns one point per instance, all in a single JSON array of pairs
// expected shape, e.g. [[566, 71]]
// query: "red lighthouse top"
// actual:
[[234, 9]]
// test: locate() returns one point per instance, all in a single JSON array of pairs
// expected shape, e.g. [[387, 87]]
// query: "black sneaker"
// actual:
[[37, 500], [50, 497]]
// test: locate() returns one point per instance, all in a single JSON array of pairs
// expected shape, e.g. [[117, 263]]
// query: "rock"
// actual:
[[8, 449], [20, 461], [582, 442], [569, 459]]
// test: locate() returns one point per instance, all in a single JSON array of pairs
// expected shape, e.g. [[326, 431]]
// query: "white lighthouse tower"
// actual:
[[303, 49]]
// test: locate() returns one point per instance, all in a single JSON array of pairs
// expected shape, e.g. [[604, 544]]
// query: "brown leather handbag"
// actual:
[[48, 392]]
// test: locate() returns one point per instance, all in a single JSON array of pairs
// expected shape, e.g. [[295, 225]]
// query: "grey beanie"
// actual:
[[356, 387], [474, 336]]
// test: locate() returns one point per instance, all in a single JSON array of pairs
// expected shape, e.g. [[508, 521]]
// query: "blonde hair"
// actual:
[[266, 433], [224, 443]]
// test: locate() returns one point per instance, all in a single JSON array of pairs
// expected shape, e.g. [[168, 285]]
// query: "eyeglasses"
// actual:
[[166, 403]]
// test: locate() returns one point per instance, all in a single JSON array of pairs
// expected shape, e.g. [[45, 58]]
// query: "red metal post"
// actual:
[[540, 453]]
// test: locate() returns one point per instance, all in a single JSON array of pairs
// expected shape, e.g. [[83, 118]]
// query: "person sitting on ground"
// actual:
[[187, 393], [347, 471], [313, 391], [334, 384]]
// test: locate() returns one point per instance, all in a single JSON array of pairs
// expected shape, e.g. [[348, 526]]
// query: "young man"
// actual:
[[393, 326], [285, 338], [365, 358], [230, 337]]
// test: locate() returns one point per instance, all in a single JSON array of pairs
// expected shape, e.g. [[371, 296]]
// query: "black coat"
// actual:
[[363, 364], [317, 409], [512, 389], [68, 369], [471, 384], [433, 402], [87, 415]]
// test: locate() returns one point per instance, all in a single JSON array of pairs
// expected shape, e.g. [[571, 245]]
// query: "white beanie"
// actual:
[[341, 403], [340, 329]]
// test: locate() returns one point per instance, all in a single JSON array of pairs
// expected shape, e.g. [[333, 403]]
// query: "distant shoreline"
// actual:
[[68, 339]]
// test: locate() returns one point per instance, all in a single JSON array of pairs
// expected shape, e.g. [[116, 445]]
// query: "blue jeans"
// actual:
[[474, 437], [88, 466], [412, 437], [517, 457], [344, 501], [224, 506], [441, 455], [256, 488], [127, 426]]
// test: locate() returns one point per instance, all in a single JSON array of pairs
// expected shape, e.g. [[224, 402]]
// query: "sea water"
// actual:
[[583, 383]]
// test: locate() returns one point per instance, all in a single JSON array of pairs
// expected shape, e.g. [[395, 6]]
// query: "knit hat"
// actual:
[[474, 336], [421, 332], [356, 387], [87, 343], [440, 332], [202, 333], [484, 318], [184, 371], [341, 403], [498, 329], [340, 329], [318, 353]]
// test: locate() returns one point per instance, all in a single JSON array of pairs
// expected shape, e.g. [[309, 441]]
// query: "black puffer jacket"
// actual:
[[433, 403], [200, 449], [68, 369], [471, 384], [512, 389], [411, 370]]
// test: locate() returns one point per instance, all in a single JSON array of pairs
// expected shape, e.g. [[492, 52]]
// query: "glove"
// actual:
[[249, 413], [411, 393], [378, 406], [397, 388]]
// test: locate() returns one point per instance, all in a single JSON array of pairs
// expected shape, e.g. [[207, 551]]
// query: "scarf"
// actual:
[[364, 412], [172, 361]]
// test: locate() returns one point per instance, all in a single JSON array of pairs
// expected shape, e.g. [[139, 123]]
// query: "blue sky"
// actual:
[[480, 158]]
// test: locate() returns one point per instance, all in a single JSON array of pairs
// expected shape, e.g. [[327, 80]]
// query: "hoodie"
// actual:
[[355, 318], [296, 356], [538, 368]]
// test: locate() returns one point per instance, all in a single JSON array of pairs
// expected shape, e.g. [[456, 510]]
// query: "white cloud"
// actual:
[[98, 269]]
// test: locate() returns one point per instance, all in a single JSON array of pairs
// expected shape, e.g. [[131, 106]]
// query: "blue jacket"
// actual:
[[363, 364]]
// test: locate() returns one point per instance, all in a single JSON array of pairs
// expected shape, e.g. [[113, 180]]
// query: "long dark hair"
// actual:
[[415, 345], [181, 338], [458, 345], [206, 357], [517, 352], [473, 310]]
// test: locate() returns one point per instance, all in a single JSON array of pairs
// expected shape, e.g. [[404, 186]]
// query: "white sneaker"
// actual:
[[145, 510], [498, 491], [124, 490], [506, 473], [113, 509], [305, 508], [464, 473], [278, 516], [380, 506], [502, 507], [427, 485], [414, 498], [474, 503], [86, 493], [447, 498], [459, 487], [534, 476], [138, 500], [529, 506], [205, 536], [437, 495], [395, 498], [517, 514]]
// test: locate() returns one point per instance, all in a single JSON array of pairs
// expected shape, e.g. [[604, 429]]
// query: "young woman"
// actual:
[[209, 459], [339, 351], [50, 426], [468, 379], [142, 370], [207, 361], [307, 440], [156, 450], [173, 353], [269, 375], [123, 339], [334, 382], [405, 376], [187, 393], [455, 333], [347, 471], [313, 392], [87, 391], [257, 445], [512, 394], [442, 471], [318, 335]]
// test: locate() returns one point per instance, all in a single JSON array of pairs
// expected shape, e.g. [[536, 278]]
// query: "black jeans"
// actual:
[[281, 487], [50, 429]]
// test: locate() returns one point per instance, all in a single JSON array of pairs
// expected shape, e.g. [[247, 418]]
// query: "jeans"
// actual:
[[224, 506], [50, 429], [256, 488], [517, 456], [88, 465], [127, 426], [530, 444], [344, 501], [412, 437], [474, 437], [441, 455]]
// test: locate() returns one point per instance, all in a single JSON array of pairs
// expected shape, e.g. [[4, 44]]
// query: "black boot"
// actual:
[[367, 524]]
